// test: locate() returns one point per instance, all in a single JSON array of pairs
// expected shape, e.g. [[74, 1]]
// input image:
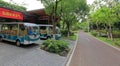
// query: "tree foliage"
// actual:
[[69, 11], [107, 13], [12, 6]]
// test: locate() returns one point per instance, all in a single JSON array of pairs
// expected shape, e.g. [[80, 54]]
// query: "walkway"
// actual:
[[92, 52]]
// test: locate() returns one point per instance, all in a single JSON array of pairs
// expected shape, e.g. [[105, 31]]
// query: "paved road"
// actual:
[[92, 52], [30, 55]]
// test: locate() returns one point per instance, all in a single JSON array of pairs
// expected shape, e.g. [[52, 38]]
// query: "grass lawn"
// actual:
[[105, 40], [74, 37], [115, 43]]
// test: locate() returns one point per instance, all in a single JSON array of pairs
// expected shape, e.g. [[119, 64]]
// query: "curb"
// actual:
[[70, 55]]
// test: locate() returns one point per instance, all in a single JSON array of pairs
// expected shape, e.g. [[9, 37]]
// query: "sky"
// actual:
[[34, 4], [90, 1], [29, 4]]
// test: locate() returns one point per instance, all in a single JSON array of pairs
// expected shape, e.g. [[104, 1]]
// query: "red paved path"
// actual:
[[92, 52]]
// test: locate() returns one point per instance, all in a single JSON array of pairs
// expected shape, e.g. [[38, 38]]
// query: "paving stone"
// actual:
[[30, 55]]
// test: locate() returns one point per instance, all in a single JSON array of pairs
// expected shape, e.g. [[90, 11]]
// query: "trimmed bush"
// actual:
[[56, 46]]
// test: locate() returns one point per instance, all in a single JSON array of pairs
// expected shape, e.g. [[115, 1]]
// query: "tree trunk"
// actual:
[[68, 27], [54, 29], [54, 19], [107, 31], [63, 27], [110, 30], [98, 30]]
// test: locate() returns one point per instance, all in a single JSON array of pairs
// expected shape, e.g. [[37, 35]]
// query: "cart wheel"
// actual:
[[18, 43], [0, 39], [48, 37]]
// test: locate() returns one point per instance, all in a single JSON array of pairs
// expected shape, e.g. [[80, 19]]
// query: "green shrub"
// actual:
[[116, 34], [94, 33], [65, 32], [103, 31], [55, 46], [86, 30]]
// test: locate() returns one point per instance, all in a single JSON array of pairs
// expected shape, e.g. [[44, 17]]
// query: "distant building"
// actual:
[[34, 16], [37, 16]]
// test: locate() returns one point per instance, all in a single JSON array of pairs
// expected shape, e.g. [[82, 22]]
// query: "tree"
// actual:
[[72, 14], [12, 6], [97, 17], [107, 14], [69, 20], [64, 9], [52, 9], [82, 9]]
